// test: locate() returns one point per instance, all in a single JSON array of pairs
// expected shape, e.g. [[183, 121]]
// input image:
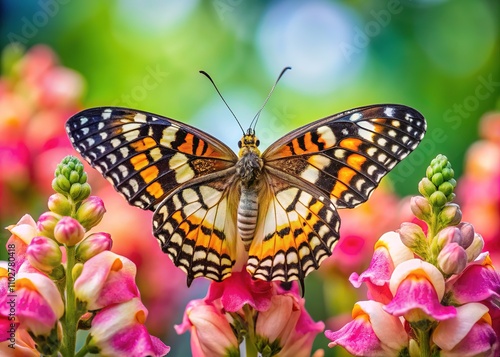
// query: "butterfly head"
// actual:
[[249, 142]]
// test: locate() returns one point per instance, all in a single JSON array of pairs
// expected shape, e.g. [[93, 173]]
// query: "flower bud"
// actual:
[[412, 235], [448, 235], [46, 223], [475, 248], [93, 245], [426, 187], [452, 259], [438, 199], [58, 203], [77, 271], [450, 215], [467, 231], [446, 188], [44, 254], [70, 179], [90, 212], [68, 231], [421, 208]]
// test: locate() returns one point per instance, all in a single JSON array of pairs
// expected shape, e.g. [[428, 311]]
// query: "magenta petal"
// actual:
[[357, 337], [240, 289], [418, 293], [136, 341], [477, 283]]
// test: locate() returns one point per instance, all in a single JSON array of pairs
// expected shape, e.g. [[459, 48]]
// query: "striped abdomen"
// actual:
[[247, 214]]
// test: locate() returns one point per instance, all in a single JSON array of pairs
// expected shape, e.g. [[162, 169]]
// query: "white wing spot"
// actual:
[[327, 135], [106, 114], [389, 111], [356, 116], [139, 117], [168, 136], [83, 120]]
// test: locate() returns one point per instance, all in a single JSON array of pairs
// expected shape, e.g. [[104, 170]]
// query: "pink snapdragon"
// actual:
[[56, 294], [444, 290]]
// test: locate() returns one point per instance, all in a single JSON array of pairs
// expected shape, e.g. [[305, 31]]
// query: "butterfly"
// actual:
[[275, 211]]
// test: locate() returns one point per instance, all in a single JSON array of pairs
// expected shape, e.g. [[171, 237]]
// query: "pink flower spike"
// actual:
[[469, 333], [418, 288], [211, 333], [38, 303], [106, 279], [240, 289], [479, 282], [372, 332], [118, 330]]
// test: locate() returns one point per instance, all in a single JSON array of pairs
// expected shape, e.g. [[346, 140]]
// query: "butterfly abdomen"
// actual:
[[247, 215]]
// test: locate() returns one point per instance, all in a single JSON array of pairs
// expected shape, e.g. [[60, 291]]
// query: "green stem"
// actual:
[[69, 337], [251, 349], [424, 343], [83, 351]]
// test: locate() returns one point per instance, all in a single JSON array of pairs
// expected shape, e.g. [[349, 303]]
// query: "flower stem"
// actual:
[[69, 338], [424, 342], [251, 349]]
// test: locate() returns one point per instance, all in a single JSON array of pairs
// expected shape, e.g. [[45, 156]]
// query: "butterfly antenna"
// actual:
[[220, 95], [256, 117]]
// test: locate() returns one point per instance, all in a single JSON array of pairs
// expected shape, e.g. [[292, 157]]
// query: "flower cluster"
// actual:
[[91, 289], [432, 291], [269, 319]]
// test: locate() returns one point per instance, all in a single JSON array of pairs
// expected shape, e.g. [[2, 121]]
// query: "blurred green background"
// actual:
[[440, 57]]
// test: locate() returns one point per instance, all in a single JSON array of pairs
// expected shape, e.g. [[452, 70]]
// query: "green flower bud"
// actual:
[[70, 179], [421, 208], [90, 212], [58, 203], [77, 270], [412, 236], [438, 199], [426, 187], [46, 223], [450, 215], [93, 245], [446, 188], [437, 179]]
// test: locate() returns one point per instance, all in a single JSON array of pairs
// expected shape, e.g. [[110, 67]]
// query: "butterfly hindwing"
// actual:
[[145, 156], [296, 231], [196, 226], [346, 155]]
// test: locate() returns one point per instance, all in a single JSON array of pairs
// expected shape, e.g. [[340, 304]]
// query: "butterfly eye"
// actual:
[[240, 144], [257, 142]]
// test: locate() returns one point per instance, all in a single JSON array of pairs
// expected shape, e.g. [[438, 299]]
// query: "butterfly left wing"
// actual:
[[196, 226], [346, 155]]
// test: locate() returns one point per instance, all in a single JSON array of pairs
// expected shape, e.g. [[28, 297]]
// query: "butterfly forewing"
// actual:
[[346, 155], [145, 156]]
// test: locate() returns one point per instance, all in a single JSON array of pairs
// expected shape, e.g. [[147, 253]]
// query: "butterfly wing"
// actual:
[[145, 156], [333, 162], [298, 228], [196, 226], [346, 155]]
